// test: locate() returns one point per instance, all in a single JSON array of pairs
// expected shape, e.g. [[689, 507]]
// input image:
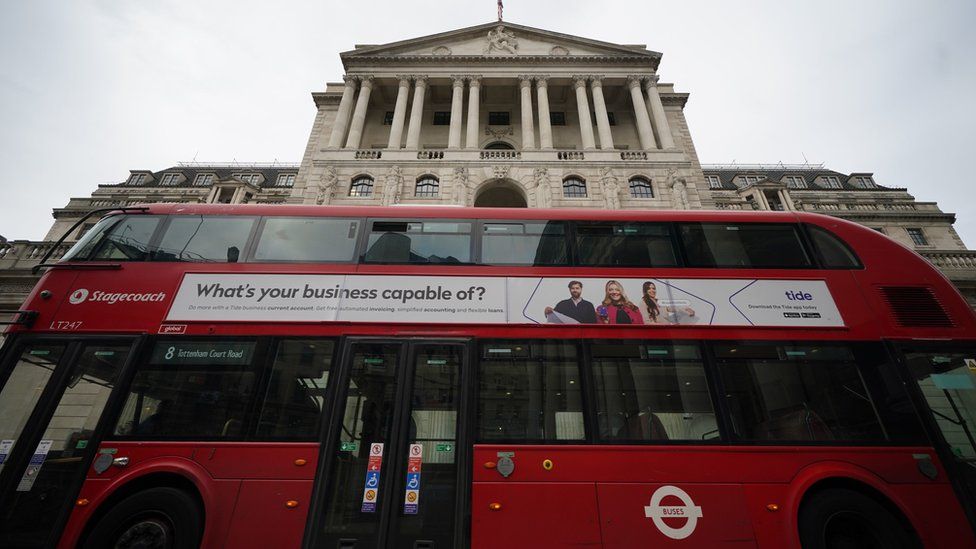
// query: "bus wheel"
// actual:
[[841, 519], [157, 518]]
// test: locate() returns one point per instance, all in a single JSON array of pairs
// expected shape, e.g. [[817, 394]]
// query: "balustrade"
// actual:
[[500, 155], [570, 155], [368, 154], [23, 254], [633, 155]]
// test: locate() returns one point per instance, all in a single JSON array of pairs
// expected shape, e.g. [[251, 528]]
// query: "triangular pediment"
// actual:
[[497, 39]]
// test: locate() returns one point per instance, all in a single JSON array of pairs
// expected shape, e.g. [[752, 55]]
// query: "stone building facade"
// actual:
[[507, 115]]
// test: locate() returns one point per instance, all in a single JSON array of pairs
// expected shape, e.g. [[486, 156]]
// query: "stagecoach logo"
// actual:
[[81, 295], [688, 511], [78, 296]]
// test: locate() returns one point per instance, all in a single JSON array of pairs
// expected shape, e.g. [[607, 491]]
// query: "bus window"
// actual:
[[307, 239], [743, 245], [419, 242], [127, 240], [23, 389], [796, 393], [204, 238], [83, 248], [524, 243], [296, 392], [834, 254], [529, 391], [651, 393], [625, 245], [190, 390]]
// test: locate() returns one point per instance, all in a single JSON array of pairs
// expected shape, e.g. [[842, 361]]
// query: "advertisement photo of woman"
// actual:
[[655, 314], [616, 308]]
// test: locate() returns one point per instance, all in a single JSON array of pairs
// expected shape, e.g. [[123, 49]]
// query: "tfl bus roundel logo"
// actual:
[[78, 296], [687, 511]]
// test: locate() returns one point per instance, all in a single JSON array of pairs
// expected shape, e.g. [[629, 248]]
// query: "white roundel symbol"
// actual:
[[688, 510], [78, 296]]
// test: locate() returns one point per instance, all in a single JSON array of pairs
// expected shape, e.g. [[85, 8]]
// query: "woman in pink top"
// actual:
[[616, 308]]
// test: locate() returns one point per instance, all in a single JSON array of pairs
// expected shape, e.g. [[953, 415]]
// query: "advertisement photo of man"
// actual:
[[574, 310]]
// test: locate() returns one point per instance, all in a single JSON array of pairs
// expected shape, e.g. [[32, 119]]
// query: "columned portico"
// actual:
[[528, 124], [583, 109], [359, 115], [545, 125], [658, 116], [416, 112], [399, 113], [342, 116], [474, 99], [644, 130]]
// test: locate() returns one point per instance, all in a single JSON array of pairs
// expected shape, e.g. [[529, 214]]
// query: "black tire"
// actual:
[[156, 518], [840, 519]]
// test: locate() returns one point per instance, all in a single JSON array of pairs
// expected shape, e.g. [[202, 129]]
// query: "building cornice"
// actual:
[[442, 60]]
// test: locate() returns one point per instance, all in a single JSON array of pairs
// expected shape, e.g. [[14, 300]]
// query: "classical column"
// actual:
[[359, 115], [399, 113], [545, 125], [454, 136], [528, 124], [640, 113], [474, 116], [416, 112], [341, 123], [658, 115], [600, 107], [583, 108]]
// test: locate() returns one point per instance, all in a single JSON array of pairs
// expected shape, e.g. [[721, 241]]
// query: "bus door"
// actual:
[[54, 392], [946, 381], [395, 472]]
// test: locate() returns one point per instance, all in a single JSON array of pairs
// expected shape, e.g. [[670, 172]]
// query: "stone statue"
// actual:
[[461, 186], [679, 190], [543, 191], [394, 182], [327, 186], [501, 40], [611, 189]]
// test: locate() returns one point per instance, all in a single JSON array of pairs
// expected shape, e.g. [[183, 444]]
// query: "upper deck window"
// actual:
[[204, 238], [743, 245], [127, 240], [834, 253], [307, 239], [625, 244], [422, 241], [524, 243]]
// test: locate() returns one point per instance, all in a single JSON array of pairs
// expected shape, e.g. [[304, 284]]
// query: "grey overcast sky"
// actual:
[[91, 89]]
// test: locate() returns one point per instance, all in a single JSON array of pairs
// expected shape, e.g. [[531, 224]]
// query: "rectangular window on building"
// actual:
[[138, 179], [250, 178], [917, 236], [864, 182], [442, 118], [557, 118], [204, 180], [225, 195], [498, 118], [388, 118], [170, 179], [713, 182], [832, 182], [796, 182], [285, 180]]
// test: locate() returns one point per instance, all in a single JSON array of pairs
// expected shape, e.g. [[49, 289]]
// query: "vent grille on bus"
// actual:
[[916, 307]]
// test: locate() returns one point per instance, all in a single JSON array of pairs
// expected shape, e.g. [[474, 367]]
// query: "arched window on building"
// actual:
[[574, 187], [427, 187], [362, 186], [640, 188], [499, 146]]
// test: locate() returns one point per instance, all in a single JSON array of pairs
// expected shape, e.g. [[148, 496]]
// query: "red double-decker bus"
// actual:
[[289, 376]]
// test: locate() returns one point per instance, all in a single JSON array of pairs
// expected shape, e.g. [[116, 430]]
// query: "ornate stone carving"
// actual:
[[543, 191], [458, 80], [501, 40], [500, 172], [579, 80], [634, 81], [679, 190], [499, 133], [461, 186], [441, 50], [611, 188], [394, 182], [558, 50], [525, 80], [596, 81], [327, 186]]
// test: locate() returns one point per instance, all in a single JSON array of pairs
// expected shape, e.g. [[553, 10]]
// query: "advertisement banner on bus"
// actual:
[[503, 300]]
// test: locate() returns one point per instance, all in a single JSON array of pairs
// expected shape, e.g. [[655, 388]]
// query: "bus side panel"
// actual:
[[715, 513], [538, 515], [263, 517]]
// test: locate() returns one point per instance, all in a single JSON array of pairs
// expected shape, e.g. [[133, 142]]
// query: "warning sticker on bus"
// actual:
[[503, 300]]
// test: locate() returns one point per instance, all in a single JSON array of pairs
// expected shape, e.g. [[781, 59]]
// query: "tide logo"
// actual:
[[78, 296], [688, 511]]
